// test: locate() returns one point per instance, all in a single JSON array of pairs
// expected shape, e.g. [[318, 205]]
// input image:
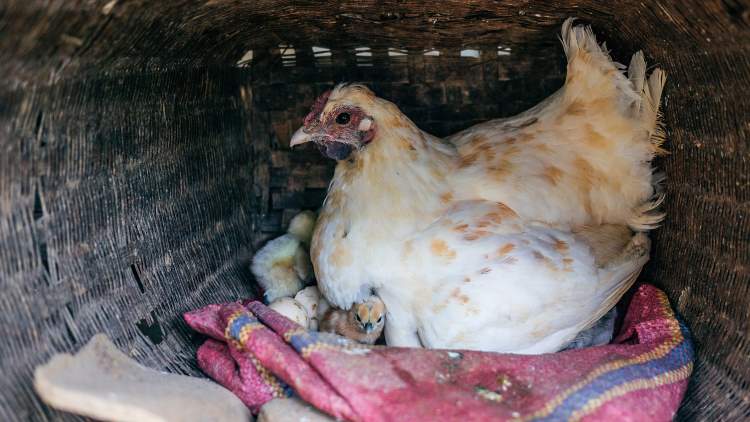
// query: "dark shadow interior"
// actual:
[[144, 154]]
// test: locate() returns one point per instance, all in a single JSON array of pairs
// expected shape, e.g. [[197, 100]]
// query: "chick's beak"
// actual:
[[368, 327], [300, 137]]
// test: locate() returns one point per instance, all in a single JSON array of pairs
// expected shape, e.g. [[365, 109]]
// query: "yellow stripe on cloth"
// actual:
[[656, 353], [635, 385]]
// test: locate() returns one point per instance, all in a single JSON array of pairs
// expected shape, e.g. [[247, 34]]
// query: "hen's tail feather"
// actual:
[[580, 43], [655, 87], [641, 92], [639, 95], [646, 107], [647, 216], [637, 76]]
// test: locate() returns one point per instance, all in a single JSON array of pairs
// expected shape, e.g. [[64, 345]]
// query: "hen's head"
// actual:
[[340, 122]]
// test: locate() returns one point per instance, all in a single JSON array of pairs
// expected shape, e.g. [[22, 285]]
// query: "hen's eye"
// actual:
[[343, 118]]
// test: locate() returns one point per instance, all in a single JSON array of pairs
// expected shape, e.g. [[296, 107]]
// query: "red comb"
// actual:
[[317, 108]]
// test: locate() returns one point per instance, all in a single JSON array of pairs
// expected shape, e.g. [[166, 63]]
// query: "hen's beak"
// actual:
[[331, 148], [300, 137]]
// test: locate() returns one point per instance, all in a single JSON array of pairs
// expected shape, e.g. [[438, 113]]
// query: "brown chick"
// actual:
[[363, 322]]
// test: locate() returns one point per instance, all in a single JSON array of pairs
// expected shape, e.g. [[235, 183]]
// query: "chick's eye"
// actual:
[[357, 317], [380, 319], [343, 118]]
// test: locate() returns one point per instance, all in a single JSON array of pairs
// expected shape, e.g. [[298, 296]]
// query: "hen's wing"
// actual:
[[492, 282], [581, 156]]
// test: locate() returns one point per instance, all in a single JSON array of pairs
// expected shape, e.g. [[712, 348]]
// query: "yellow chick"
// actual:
[[282, 267], [362, 323]]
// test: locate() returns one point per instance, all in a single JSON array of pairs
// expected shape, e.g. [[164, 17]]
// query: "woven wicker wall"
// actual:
[[143, 154]]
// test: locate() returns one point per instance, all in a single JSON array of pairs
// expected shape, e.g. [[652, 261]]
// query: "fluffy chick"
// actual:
[[302, 226], [362, 323], [309, 298], [282, 267]]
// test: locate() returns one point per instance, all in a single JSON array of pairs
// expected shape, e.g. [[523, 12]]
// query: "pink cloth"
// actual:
[[258, 354]]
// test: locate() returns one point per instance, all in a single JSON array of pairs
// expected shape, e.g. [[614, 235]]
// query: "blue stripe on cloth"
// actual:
[[679, 356], [304, 339], [240, 322]]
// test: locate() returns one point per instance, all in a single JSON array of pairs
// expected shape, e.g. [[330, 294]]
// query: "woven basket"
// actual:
[[144, 154]]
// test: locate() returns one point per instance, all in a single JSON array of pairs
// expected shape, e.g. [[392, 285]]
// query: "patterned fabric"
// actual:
[[259, 354]]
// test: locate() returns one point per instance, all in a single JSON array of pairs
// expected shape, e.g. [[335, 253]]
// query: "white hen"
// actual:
[[511, 236]]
